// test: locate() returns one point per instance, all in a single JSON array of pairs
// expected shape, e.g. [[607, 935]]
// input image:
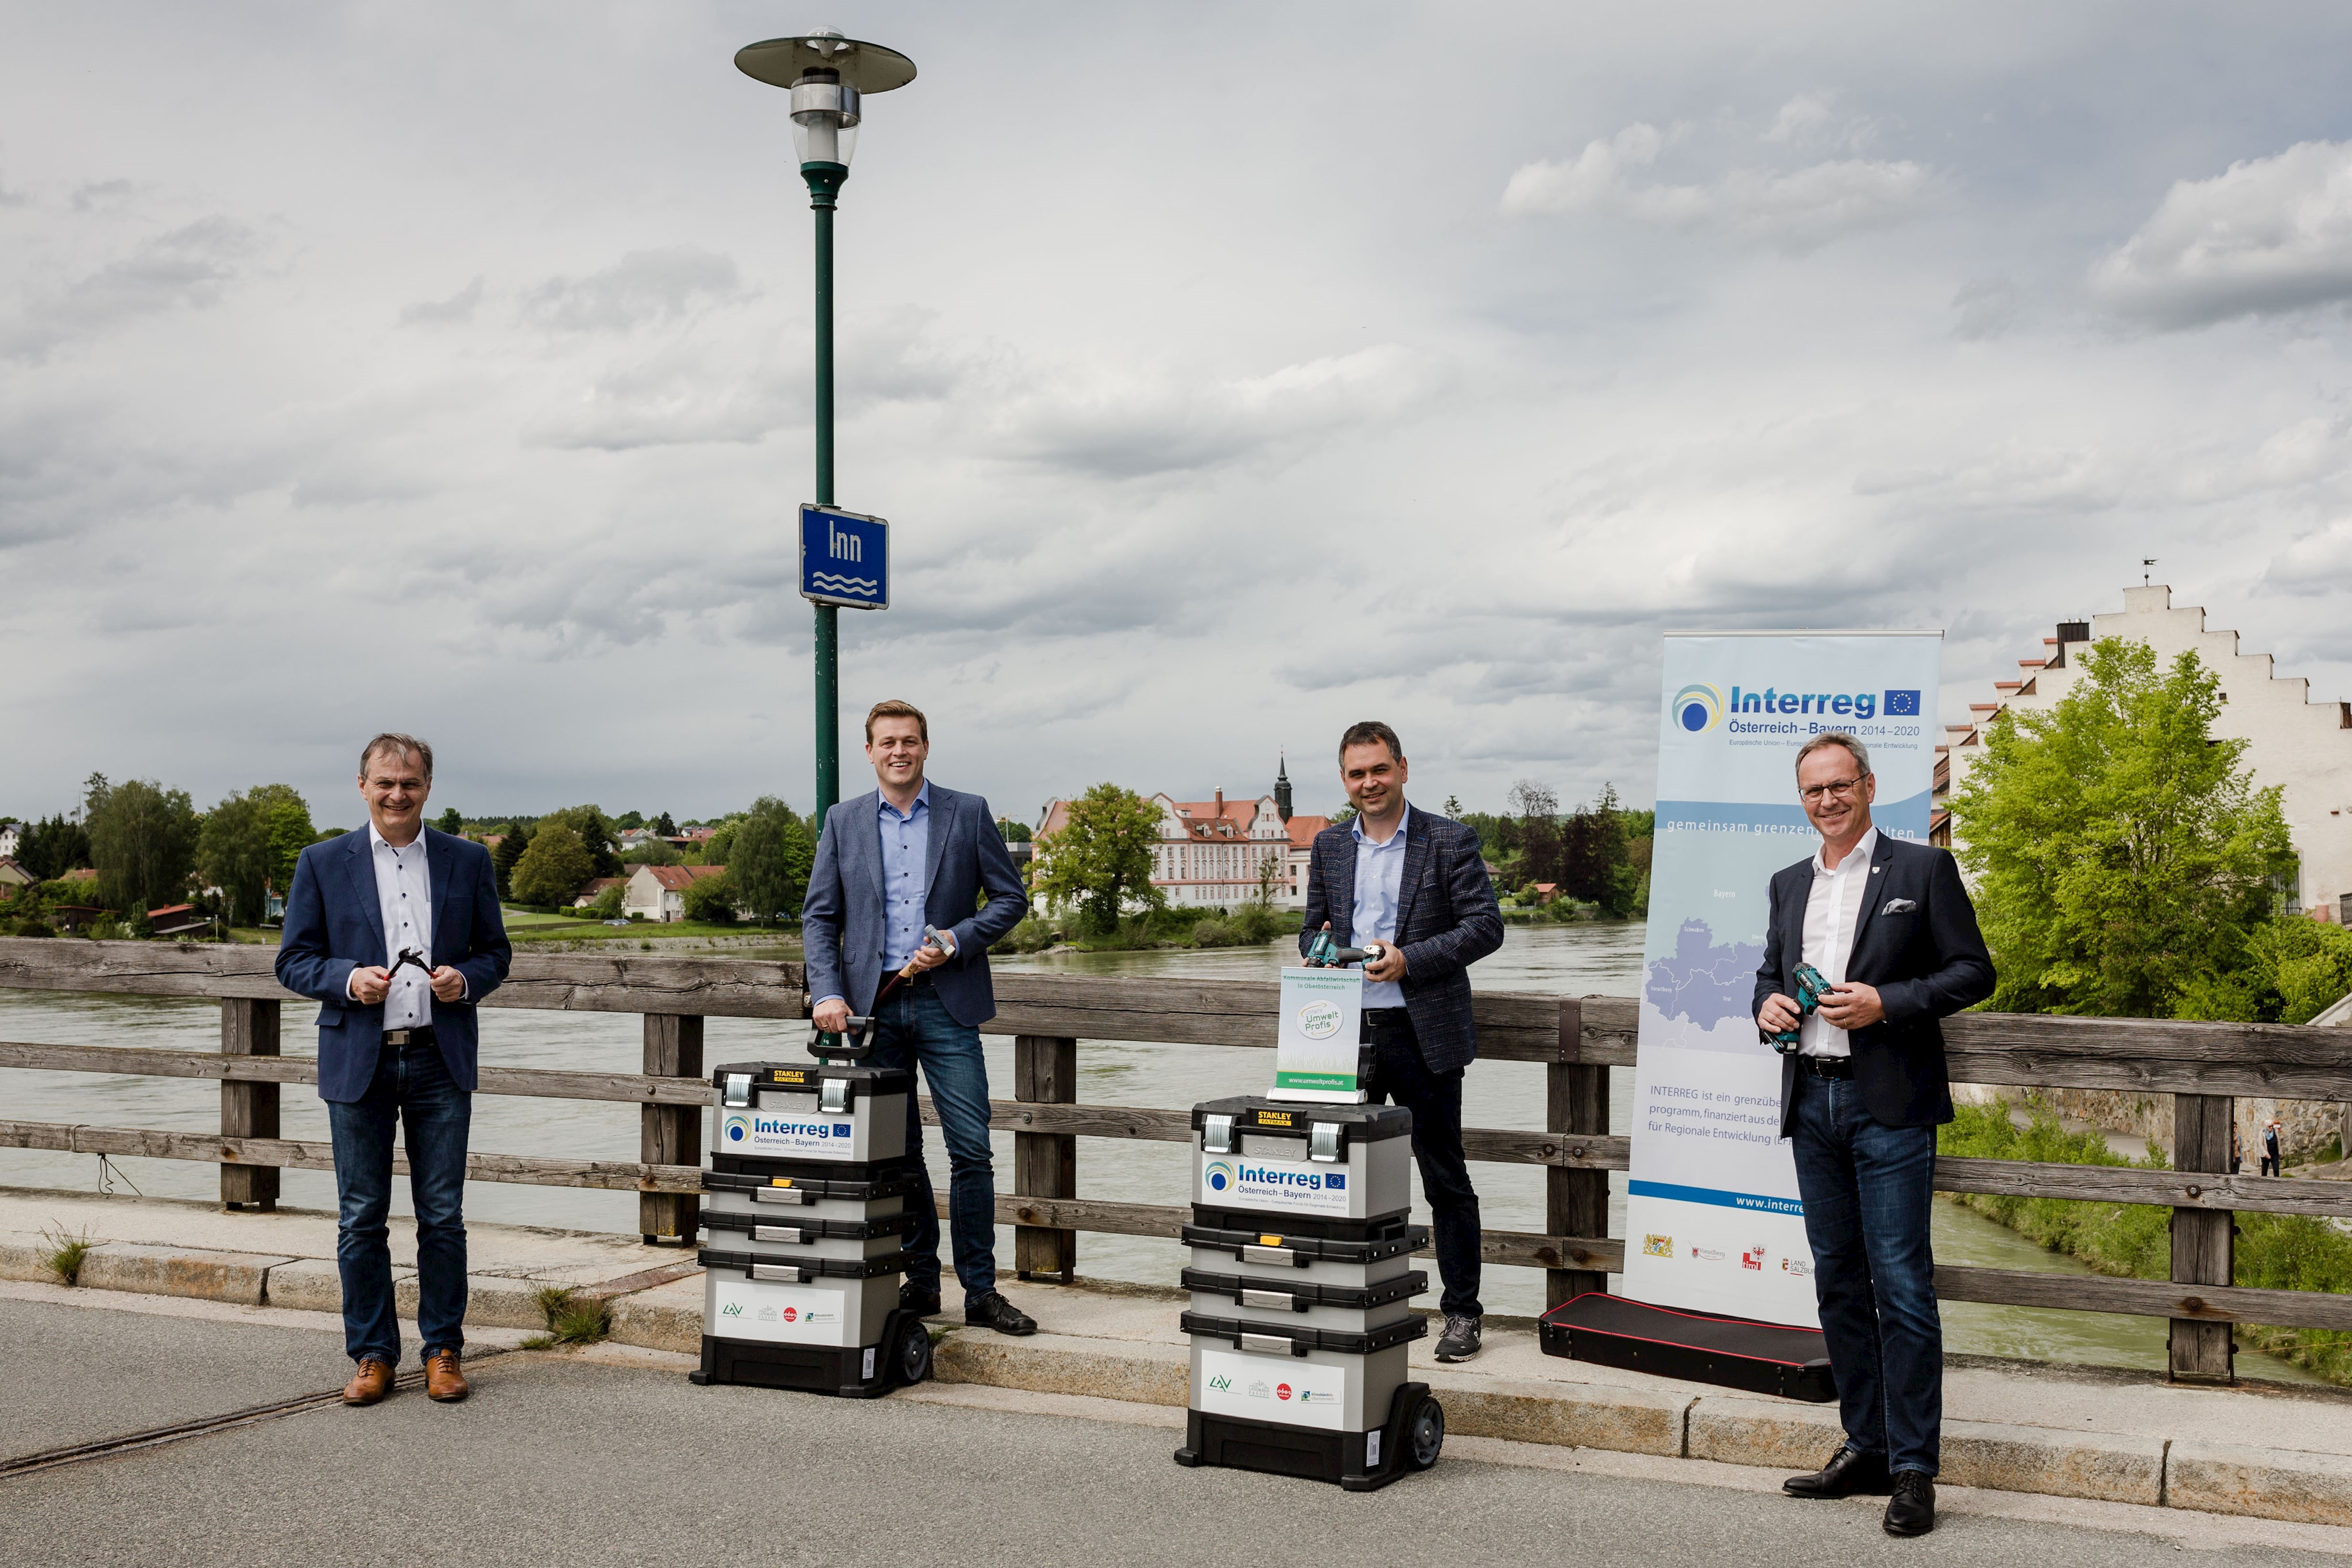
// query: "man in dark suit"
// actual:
[[1417, 885], [900, 857], [396, 927], [1890, 925]]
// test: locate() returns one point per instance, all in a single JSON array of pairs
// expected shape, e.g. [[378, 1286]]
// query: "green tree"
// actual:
[[711, 899], [2294, 969], [1454, 807], [52, 847], [288, 818], [451, 822], [769, 860], [510, 847], [554, 868], [1100, 862], [233, 854], [142, 840], [610, 903], [1013, 833], [596, 832], [654, 852], [2122, 859], [665, 827], [628, 820]]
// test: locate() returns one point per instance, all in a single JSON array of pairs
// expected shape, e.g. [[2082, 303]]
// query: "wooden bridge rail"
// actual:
[[1576, 1040]]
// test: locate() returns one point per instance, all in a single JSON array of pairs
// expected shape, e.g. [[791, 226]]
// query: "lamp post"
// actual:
[[828, 76]]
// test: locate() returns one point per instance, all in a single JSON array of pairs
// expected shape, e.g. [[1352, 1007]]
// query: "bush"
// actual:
[[711, 899], [34, 927], [608, 902]]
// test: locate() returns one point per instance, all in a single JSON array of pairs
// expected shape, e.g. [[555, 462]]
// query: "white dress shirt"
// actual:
[[1380, 883], [404, 897], [1832, 910]]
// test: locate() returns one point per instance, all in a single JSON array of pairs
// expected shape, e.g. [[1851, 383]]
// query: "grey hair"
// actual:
[[1854, 748], [407, 746]]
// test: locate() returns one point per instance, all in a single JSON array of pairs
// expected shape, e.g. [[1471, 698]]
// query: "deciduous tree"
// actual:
[[555, 867], [2123, 858], [769, 858], [1100, 862], [142, 840]]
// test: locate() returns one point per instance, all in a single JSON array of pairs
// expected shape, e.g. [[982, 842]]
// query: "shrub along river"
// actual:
[[1563, 959]]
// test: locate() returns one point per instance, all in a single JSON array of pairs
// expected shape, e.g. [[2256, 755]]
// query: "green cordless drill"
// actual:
[[1810, 989]]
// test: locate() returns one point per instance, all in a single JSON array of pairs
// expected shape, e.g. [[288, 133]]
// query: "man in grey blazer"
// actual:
[[908, 854], [1417, 885]]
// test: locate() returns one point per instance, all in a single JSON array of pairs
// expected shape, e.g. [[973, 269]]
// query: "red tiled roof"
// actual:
[[1302, 829]]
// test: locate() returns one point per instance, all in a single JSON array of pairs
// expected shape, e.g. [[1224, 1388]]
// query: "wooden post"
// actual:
[[248, 1110], [2202, 1249], [1576, 1202], [671, 1134], [1044, 1164]]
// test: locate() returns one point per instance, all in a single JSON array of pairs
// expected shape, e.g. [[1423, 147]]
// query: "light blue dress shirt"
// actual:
[[1380, 883], [906, 849]]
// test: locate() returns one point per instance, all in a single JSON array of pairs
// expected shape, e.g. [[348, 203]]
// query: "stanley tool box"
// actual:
[[1263, 1157], [839, 1113]]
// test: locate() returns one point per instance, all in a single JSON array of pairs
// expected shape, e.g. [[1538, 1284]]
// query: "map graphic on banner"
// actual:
[[1712, 1217]]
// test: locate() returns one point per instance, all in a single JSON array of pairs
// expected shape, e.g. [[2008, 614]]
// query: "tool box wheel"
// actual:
[[1424, 1434], [911, 1354]]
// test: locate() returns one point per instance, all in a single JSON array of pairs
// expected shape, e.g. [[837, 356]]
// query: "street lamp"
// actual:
[[828, 76]]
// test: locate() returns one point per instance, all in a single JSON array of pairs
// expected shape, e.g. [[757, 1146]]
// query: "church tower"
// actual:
[[1282, 788]]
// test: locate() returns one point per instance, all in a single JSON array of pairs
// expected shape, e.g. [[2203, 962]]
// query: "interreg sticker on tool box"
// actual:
[[1298, 1187], [1322, 1024], [768, 1132], [1269, 1388]]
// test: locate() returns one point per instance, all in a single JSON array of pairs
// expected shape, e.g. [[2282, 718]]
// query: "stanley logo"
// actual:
[[1274, 1119], [791, 1075]]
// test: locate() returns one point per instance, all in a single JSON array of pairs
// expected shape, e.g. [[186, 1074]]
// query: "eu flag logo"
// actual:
[[1335, 1181], [1902, 704]]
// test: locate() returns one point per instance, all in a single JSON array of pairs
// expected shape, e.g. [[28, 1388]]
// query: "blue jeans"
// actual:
[[412, 1085], [913, 1029], [1867, 1189]]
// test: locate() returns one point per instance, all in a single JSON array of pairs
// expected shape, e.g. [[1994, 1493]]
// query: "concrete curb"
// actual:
[[2264, 1483]]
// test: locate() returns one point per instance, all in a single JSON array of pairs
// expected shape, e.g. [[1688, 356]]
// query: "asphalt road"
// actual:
[[559, 1461]]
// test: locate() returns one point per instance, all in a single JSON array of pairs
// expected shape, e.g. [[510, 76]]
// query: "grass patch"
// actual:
[[68, 1251], [2274, 1251], [540, 1342], [571, 1318], [1247, 925]]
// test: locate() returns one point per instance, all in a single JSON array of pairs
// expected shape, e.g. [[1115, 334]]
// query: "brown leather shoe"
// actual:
[[443, 1381], [369, 1384]]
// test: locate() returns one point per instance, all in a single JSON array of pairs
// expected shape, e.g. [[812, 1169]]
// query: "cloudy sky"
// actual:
[[1228, 372]]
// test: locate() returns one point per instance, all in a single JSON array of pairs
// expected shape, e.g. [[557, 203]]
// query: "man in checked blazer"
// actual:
[[1417, 885]]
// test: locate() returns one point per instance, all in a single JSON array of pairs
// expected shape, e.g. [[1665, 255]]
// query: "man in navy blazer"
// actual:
[[396, 929], [1417, 885], [1890, 926], [901, 857]]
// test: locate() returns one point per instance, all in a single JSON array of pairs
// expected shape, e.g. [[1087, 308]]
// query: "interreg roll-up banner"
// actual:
[[1712, 1217]]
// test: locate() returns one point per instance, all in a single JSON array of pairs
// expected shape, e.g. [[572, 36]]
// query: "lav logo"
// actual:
[[1902, 704], [1222, 1383], [736, 1128], [1697, 708], [1219, 1176]]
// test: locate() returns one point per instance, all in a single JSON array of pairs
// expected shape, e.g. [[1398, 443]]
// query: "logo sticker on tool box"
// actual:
[[1294, 1185], [1302, 1394], [758, 1133], [789, 1314]]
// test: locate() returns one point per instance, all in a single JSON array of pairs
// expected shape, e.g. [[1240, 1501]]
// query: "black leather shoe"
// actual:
[[1913, 1510], [913, 1298], [1851, 1473], [993, 1311]]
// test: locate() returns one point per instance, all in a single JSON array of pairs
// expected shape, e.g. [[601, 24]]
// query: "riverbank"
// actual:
[[2273, 1251]]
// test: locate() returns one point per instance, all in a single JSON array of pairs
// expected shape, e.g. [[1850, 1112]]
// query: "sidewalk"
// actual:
[[2089, 1433]]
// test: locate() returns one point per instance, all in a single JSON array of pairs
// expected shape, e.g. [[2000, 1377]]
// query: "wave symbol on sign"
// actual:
[[832, 584]]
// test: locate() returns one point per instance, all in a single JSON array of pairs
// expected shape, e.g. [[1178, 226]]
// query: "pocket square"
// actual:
[[1898, 906]]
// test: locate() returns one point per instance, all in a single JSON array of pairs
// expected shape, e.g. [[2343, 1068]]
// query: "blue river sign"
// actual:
[[845, 559]]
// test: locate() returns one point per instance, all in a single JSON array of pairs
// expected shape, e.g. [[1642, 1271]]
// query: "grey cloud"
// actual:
[[2264, 236], [1983, 308], [644, 286], [187, 268], [457, 307], [93, 194]]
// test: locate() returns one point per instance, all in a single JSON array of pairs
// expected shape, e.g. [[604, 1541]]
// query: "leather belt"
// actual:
[[1375, 1020], [1827, 1066], [422, 1036]]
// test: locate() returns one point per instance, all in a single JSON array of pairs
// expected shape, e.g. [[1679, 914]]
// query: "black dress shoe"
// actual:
[[1851, 1473], [993, 1311], [913, 1298], [1913, 1510]]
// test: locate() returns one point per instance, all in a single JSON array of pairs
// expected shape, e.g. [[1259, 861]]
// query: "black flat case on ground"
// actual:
[[1730, 1353]]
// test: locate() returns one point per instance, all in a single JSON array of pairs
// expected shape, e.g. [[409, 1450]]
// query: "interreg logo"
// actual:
[[1275, 1176], [1697, 708], [736, 1128], [1219, 1176], [775, 1127]]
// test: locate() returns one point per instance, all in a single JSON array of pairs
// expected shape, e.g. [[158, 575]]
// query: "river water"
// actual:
[[1570, 959]]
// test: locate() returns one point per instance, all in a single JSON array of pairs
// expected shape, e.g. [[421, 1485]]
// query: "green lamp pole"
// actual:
[[827, 76]]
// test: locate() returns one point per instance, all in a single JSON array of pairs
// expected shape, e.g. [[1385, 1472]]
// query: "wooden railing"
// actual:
[[1576, 1039]]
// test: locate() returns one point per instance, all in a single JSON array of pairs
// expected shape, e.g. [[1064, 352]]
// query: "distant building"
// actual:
[[14, 876], [2303, 747], [177, 920], [12, 838], [658, 891], [1211, 853], [594, 890]]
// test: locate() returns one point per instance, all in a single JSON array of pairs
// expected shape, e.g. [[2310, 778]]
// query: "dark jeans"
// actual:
[[412, 1086], [913, 1029], [2270, 1164], [1399, 1077], [1867, 1189]]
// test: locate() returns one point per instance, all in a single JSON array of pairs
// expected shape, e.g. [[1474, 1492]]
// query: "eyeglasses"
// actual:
[[1841, 787]]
